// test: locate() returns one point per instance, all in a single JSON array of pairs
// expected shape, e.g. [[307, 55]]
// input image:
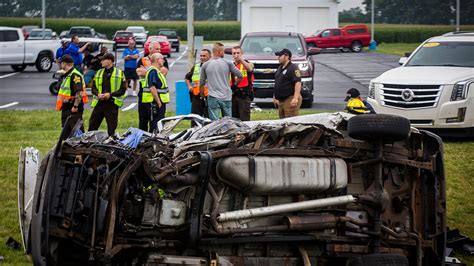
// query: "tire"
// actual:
[[53, 88], [356, 46], [387, 128], [114, 47], [177, 49], [345, 50], [379, 260], [44, 63], [308, 103], [310, 45], [18, 68]]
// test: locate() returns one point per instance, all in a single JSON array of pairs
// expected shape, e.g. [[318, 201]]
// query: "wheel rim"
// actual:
[[45, 63], [356, 47]]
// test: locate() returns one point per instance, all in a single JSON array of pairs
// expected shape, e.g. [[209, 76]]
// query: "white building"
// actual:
[[305, 16]]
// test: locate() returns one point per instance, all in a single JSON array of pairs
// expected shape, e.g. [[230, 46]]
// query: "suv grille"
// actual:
[[410, 96], [265, 70]]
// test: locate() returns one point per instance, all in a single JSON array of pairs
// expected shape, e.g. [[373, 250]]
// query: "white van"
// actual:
[[434, 87]]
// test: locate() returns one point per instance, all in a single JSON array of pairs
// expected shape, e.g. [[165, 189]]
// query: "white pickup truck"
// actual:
[[20, 53], [433, 88]]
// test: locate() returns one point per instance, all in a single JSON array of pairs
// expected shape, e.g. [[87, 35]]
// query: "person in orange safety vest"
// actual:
[[242, 93]]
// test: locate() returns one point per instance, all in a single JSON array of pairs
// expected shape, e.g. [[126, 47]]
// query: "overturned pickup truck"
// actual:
[[325, 189]]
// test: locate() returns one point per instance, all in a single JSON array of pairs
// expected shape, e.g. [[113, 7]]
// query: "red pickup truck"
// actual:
[[353, 37]]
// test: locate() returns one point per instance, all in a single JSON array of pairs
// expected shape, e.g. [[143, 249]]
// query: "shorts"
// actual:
[[130, 73]]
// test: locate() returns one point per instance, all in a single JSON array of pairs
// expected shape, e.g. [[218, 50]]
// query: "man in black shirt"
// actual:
[[287, 93], [108, 89]]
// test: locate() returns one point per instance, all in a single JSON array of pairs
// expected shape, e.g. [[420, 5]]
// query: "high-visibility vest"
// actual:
[[196, 79], [244, 83], [65, 92], [356, 106], [163, 92], [115, 83]]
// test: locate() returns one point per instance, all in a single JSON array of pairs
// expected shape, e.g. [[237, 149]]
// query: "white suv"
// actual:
[[434, 87], [139, 33]]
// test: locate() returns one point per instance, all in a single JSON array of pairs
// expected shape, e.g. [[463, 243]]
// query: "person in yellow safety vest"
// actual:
[[142, 66], [108, 91], [155, 93], [72, 94], [198, 104], [355, 103], [242, 93]]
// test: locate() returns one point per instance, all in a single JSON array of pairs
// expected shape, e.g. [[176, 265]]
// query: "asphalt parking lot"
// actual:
[[335, 72]]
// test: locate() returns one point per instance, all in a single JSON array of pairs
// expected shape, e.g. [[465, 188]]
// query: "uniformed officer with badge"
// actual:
[[287, 93]]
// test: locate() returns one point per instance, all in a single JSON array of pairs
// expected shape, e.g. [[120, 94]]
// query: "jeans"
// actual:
[[88, 76], [215, 105]]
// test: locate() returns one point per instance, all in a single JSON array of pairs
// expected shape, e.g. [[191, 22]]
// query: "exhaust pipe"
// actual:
[[284, 208]]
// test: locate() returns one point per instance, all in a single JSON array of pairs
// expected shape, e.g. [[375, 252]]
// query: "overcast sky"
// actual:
[[348, 4]]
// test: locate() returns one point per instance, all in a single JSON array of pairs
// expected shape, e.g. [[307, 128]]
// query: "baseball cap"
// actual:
[[67, 59], [108, 56], [283, 51], [352, 93]]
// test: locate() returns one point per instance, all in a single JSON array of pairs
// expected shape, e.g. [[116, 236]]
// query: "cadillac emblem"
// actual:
[[408, 95]]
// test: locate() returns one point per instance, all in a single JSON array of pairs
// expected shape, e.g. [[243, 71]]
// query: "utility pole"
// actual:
[[373, 44], [458, 13], [43, 14], [190, 37]]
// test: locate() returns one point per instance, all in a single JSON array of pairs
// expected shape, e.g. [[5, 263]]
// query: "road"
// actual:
[[335, 72]]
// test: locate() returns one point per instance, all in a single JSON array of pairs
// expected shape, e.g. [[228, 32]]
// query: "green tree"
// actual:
[[356, 15]]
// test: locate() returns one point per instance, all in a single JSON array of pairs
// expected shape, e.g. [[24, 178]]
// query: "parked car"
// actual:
[[165, 46], [86, 32], [121, 38], [27, 29], [353, 37], [20, 53], [260, 47], [172, 36], [64, 34], [40, 34], [139, 33], [323, 189], [433, 87]]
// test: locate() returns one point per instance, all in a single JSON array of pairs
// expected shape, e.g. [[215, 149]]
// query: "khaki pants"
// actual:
[[285, 110]]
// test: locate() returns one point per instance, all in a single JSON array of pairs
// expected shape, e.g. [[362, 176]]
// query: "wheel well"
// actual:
[[356, 41], [49, 53]]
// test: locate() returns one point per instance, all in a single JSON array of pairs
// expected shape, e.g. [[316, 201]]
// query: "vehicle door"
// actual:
[[12, 47], [325, 39], [337, 38]]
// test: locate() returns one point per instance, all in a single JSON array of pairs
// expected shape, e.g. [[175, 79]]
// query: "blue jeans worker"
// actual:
[[216, 73]]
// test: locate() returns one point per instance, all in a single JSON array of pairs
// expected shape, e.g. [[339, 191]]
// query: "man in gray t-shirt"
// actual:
[[216, 72]]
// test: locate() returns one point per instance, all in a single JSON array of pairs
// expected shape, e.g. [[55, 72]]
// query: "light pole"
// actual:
[[458, 15], [43, 14], [190, 37], [373, 44]]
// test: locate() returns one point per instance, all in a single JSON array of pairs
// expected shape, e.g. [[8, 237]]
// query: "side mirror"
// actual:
[[402, 60], [147, 32], [407, 54], [228, 51], [314, 51]]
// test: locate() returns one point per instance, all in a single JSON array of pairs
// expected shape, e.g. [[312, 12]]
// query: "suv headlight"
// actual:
[[371, 93], [460, 90], [303, 66]]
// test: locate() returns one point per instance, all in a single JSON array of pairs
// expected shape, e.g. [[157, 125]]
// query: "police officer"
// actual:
[[356, 104], [287, 93], [198, 104], [109, 89], [71, 95], [242, 93], [155, 94]]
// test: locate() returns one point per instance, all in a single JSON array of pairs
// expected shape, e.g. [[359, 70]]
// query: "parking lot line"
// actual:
[[131, 106], [8, 105], [179, 58], [9, 75]]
